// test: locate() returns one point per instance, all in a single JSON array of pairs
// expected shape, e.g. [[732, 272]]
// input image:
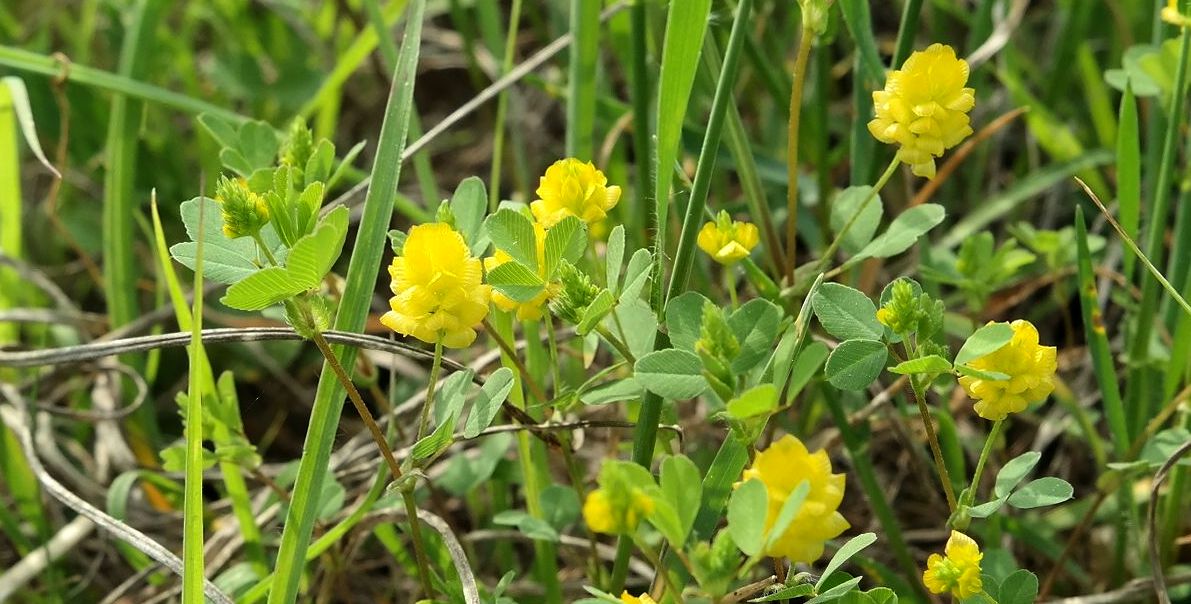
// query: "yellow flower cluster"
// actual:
[[924, 107], [532, 309], [781, 468], [602, 515], [1171, 14], [958, 572], [244, 212], [1030, 367], [728, 241], [573, 188], [437, 293], [645, 598]]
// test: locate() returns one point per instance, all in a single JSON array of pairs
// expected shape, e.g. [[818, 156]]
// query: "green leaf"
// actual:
[[755, 325], [684, 317], [469, 204], [1041, 492], [854, 364], [639, 324], [612, 392], [865, 226], [1020, 587], [758, 400], [849, 549], [614, 258], [1013, 472], [262, 289], [992, 376], [746, 517], [793, 591], [636, 276], [513, 233], [596, 311], [932, 364], [487, 403], [790, 509], [673, 374], [903, 232], [534, 528], [836, 592], [987, 509], [564, 241], [681, 485], [222, 130], [516, 281], [224, 260], [560, 505], [846, 313], [986, 340], [19, 103], [437, 441]]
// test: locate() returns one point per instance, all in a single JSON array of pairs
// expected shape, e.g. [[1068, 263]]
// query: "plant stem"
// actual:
[[435, 368], [804, 52], [933, 439], [616, 343], [984, 453], [662, 571], [640, 93], [839, 237]]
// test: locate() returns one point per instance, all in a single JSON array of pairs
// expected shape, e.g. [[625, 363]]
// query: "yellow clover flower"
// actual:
[[1171, 15], [958, 572], [781, 468], [437, 291], [1030, 367], [603, 516], [573, 188], [244, 212], [924, 107], [628, 598], [728, 241], [533, 309]]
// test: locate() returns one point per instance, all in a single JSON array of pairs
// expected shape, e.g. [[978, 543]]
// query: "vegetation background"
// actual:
[[98, 116]]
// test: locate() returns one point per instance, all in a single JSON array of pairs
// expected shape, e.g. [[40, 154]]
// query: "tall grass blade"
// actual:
[[192, 507], [1128, 173], [357, 296], [581, 80]]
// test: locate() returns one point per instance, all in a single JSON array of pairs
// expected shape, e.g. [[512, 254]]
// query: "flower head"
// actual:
[[958, 572], [642, 599], [437, 291], [728, 241], [244, 212], [1030, 367], [781, 468], [532, 309], [613, 513], [924, 107], [573, 188], [1171, 15]]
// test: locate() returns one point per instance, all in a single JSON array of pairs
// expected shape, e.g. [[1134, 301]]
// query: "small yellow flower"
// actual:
[[642, 599], [1171, 15], [728, 241], [924, 107], [244, 212], [958, 572], [437, 291], [781, 468], [1030, 367], [534, 308], [604, 516], [573, 188]]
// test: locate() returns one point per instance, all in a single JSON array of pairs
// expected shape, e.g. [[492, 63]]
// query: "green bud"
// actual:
[[715, 337], [298, 145], [244, 213], [575, 293], [815, 15], [445, 214]]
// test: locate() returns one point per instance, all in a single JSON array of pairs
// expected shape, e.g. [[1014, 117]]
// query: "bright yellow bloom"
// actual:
[[534, 308], [781, 468], [924, 107], [1171, 15], [642, 599], [1030, 367], [437, 291], [958, 572], [728, 241], [603, 516], [244, 212], [573, 188]]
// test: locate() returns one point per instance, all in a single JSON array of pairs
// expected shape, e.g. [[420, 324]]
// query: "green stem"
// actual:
[[435, 368], [984, 453], [502, 107], [640, 93], [839, 237], [906, 31], [616, 343], [804, 53], [929, 425], [730, 285], [663, 573]]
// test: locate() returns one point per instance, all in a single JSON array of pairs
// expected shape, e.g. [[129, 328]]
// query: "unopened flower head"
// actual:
[[958, 572], [437, 291], [244, 212], [924, 107], [612, 512], [728, 241], [532, 309], [573, 188], [1030, 369], [781, 468]]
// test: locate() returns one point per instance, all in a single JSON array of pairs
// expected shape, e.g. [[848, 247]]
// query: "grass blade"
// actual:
[[357, 295], [192, 507], [1128, 173], [581, 81]]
